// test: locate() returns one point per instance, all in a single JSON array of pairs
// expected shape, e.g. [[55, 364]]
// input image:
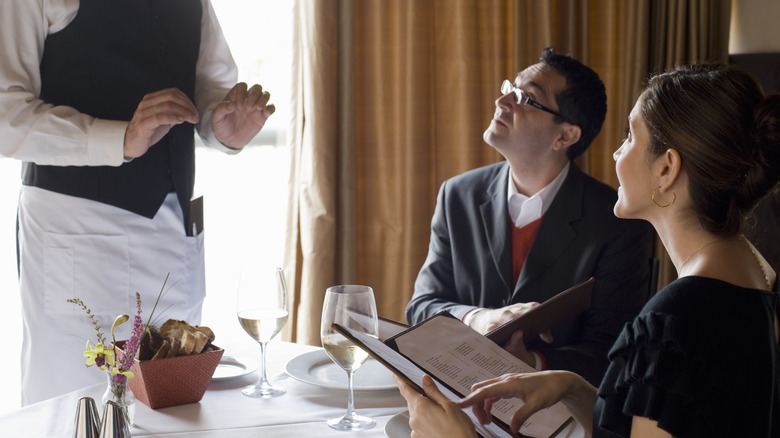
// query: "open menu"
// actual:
[[457, 356]]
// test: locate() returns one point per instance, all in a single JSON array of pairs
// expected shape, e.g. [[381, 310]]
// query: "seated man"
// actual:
[[507, 236]]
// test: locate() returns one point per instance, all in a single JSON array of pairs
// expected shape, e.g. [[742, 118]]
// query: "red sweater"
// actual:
[[522, 239]]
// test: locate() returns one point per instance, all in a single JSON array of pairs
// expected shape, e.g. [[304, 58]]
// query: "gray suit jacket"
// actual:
[[469, 262]]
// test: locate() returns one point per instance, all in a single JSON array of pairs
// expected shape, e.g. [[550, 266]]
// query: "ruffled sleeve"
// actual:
[[656, 373]]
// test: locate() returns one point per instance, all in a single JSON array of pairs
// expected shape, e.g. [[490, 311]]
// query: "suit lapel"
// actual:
[[495, 226], [556, 232]]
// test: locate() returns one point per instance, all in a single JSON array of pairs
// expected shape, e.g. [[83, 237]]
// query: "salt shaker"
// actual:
[[87, 421], [114, 423]]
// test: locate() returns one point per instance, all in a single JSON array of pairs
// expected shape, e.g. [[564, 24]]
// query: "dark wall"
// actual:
[[765, 232]]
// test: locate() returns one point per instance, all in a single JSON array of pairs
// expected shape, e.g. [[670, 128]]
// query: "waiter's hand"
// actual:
[[237, 119], [157, 113]]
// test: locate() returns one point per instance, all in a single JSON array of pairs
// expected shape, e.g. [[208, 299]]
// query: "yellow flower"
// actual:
[[99, 356], [128, 374]]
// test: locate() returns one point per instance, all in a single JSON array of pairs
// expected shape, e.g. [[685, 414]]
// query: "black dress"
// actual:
[[701, 358]]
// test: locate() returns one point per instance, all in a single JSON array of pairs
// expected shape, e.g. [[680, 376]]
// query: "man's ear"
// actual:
[[669, 168], [569, 135]]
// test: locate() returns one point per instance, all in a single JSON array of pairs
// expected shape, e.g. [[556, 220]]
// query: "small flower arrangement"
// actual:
[[106, 358]]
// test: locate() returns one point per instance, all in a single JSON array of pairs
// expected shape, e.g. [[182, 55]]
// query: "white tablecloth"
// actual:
[[225, 412]]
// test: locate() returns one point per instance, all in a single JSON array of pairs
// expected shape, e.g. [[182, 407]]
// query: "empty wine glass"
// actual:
[[352, 307], [262, 312]]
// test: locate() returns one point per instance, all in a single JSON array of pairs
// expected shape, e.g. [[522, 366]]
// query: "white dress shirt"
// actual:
[[32, 130], [523, 209]]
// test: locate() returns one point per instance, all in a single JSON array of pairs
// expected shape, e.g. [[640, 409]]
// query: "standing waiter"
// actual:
[[99, 98]]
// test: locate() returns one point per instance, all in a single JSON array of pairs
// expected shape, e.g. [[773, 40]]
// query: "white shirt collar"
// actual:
[[523, 209]]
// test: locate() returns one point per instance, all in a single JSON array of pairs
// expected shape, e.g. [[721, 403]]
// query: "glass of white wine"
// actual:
[[352, 307], [262, 312]]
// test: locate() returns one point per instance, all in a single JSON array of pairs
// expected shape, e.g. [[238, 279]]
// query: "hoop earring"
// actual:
[[674, 196]]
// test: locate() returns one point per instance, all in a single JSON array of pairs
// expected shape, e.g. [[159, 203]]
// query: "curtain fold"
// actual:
[[311, 243], [392, 98]]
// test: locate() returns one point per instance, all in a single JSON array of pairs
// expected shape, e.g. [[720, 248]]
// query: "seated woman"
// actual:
[[701, 359]]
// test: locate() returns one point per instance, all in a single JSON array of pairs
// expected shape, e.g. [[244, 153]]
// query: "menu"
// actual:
[[461, 357]]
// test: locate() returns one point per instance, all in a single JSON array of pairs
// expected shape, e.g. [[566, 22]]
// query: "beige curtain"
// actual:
[[392, 97], [686, 32]]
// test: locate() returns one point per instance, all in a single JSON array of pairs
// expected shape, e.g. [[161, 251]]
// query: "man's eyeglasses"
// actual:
[[522, 98]]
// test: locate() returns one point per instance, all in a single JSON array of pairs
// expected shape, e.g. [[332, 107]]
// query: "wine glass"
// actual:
[[262, 312], [352, 307]]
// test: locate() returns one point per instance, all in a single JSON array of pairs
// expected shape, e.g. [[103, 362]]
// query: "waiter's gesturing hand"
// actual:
[[237, 119], [156, 114]]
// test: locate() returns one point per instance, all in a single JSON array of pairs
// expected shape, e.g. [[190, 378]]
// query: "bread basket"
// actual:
[[173, 381]]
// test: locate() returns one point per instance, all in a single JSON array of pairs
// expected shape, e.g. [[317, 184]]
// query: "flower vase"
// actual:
[[118, 391]]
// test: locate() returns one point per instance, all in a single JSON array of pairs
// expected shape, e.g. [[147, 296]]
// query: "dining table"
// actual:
[[225, 412]]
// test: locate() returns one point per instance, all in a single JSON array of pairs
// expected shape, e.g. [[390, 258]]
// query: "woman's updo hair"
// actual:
[[727, 135]]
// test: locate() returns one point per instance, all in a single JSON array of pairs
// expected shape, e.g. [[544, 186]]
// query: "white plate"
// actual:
[[230, 367], [398, 426], [316, 368]]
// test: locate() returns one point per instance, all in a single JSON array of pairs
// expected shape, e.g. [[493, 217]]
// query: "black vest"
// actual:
[[112, 54]]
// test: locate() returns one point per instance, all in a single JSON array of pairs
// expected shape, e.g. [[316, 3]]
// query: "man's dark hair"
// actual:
[[584, 100]]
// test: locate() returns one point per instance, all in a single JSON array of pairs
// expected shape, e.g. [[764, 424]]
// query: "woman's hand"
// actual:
[[537, 390], [433, 414]]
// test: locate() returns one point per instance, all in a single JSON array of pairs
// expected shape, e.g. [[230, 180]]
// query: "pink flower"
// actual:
[[119, 368], [135, 336]]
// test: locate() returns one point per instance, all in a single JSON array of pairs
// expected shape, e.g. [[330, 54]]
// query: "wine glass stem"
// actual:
[[350, 397], [263, 377]]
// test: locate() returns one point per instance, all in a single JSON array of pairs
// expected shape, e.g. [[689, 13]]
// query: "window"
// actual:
[[259, 33], [245, 195]]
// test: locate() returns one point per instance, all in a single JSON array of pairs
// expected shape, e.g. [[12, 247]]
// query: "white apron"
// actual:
[[76, 248]]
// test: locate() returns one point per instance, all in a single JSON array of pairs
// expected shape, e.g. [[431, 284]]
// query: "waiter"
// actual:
[[100, 99]]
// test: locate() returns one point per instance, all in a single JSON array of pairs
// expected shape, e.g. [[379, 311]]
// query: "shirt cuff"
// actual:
[[209, 139], [470, 315], [106, 143]]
